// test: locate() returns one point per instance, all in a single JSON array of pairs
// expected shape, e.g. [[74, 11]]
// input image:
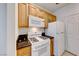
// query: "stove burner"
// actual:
[[34, 40], [42, 37]]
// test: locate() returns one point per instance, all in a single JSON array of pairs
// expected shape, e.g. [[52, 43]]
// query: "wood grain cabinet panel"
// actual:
[[44, 14], [52, 47], [51, 18], [35, 11], [24, 10], [40, 13], [32, 10], [22, 15], [24, 51]]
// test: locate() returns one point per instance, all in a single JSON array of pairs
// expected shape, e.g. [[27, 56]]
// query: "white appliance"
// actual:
[[56, 29], [40, 45], [36, 22]]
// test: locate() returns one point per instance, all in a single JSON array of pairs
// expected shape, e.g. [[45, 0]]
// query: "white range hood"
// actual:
[[35, 21]]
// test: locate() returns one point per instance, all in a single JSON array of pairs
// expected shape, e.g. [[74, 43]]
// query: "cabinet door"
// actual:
[[39, 13], [46, 22], [35, 11], [24, 51], [51, 18], [22, 15], [44, 16], [32, 10], [51, 47]]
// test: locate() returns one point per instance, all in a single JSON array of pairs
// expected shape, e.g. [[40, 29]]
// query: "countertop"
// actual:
[[27, 43], [23, 44], [49, 36]]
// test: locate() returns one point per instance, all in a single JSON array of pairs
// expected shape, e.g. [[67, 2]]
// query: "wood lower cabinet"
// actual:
[[24, 51], [52, 47]]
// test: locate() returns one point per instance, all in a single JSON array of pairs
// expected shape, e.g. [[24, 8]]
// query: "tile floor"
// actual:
[[67, 54]]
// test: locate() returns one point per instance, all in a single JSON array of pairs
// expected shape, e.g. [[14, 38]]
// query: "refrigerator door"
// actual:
[[51, 31], [60, 42], [59, 27], [56, 29], [60, 37]]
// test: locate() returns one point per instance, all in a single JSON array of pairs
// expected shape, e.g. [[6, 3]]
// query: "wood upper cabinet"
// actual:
[[51, 18], [44, 16], [22, 15], [35, 11], [24, 51], [32, 10], [24, 10]]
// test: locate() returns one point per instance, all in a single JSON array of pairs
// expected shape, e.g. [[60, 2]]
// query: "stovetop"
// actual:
[[33, 40], [43, 37]]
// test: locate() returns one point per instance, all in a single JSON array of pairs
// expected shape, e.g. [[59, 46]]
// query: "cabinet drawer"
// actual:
[[24, 51]]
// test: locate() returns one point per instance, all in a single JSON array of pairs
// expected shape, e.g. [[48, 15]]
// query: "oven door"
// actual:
[[41, 49]]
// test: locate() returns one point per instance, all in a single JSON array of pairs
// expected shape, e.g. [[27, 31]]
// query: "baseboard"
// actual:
[[70, 52], [62, 53]]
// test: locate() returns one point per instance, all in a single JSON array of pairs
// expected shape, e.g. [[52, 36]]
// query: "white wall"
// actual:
[[3, 29], [65, 15], [12, 28]]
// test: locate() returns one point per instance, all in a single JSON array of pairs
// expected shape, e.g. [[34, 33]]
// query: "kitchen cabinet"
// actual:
[[24, 51], [24, 10], [32, 10], [51, 18], [22, 15], [41, 13], [44, 14], [35, 11], [52, 47]]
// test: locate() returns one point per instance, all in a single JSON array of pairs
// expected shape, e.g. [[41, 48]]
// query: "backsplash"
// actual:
[[32, 31], [23, 31]]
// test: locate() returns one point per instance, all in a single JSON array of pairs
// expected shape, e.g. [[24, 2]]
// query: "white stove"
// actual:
[[40, 45], [43, 37], [33, 40]]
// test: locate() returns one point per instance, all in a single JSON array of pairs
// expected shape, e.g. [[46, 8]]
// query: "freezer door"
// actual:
[[59, 27], [51, 31]]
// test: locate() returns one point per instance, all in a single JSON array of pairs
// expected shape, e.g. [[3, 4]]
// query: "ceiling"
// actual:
[[52, 7]]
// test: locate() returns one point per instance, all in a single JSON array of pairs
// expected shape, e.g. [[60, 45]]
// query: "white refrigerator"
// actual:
[[56, 29]]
